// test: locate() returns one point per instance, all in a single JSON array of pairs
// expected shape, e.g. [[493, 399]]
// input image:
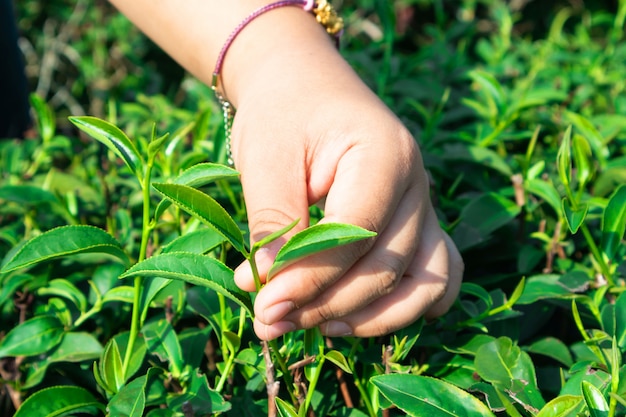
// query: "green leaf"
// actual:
[[596, 403], [582, 152], [564, 158], [76, 347], [110, 367], [478, 155], [424, 396], [614, 223], [161, 340], [113, 138], [64, 241], [553, 348], [273, 236], [543, 287], [574, 217], [620, 320], [205, 173], [151, 287], [60, 401], [206, 209], [28, 195], [194, 269], [589, 131], [32, 337], [562, 406], [130, 401], [338, 359], [64, 288], [285, 409], [546, 191], [199, 398], [46, 123], [315, 239], [500, 361], [490, 84], [481, 217], [199, 241]]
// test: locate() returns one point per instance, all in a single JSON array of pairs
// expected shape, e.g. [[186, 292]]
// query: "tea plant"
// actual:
[[117, 295]]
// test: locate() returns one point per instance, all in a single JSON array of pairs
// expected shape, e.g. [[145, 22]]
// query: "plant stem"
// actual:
[[138, 283], [596, 254], [272, 343]]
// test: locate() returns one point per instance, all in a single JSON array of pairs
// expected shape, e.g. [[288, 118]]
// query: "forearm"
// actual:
[[194, 31]]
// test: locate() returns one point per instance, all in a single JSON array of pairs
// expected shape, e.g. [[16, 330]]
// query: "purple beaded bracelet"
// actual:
[[324, 14]]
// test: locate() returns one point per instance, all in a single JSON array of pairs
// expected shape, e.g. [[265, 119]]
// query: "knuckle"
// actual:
[[388, 270]]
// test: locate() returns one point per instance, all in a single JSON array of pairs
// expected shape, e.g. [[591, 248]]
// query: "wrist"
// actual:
[[285, 42]]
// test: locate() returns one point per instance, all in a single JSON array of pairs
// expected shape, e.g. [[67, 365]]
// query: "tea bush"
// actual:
[[120, 225]]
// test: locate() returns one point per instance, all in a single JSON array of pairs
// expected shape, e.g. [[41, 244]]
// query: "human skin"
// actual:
[[309, 131]]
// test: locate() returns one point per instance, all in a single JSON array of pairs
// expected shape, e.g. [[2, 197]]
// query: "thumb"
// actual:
[[275, 193]]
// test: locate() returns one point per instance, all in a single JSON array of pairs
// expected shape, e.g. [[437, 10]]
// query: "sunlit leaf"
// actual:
[[32, 337], [64, 241], [596, 403], [315, 239], [60, 401], [614, 222], [113, 138], [204, 208], [424, 396], [194, 269]]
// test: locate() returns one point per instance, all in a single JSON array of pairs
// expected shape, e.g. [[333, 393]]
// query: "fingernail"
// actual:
[[336, 328], [277, 311]]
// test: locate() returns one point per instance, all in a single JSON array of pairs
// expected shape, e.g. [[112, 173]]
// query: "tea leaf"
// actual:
[[553, 348], [45, 117], [64, 288], [113, 138], [574, 217], [206, 209], [273, 236], [338, 359], [110, 367], [64, 241], [589, 131], [194, 269], [564, 158], [564, 405], [546, 191], [481, 217], [199, 397], [161, 341], [28, 195], [205, 173], [32, 337], [76, 347], [60, 401], [199, 241], [500, 361], [614, 222], [285, 409], [424, 396], [315, 239], [596, 403], [130, 401], [582, 152]]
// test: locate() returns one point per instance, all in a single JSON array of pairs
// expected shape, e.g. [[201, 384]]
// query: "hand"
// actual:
[[308, 131]]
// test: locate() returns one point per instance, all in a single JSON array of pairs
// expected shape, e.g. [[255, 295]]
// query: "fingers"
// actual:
[[428, 286], [389, 208]]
